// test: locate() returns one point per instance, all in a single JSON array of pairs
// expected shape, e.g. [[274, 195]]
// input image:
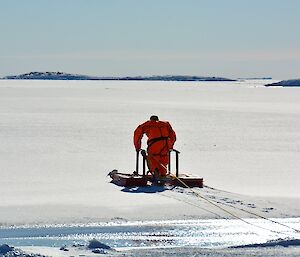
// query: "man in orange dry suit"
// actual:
[[161, 138]]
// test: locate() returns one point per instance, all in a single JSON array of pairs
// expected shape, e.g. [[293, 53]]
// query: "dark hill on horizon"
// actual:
[[68, 76], [285, 83]]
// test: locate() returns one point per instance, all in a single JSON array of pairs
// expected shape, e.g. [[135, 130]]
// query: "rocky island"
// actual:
[[67, 76], [285, 83]]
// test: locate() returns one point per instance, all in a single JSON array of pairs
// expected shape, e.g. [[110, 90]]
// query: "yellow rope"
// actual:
[[223, 209]]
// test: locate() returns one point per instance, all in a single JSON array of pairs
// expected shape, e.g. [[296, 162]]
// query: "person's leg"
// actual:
[[158, 158], [152, 163]]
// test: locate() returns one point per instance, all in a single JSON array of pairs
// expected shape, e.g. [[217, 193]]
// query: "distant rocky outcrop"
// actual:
[[5, 249], [51, 76], [285, 83], [9, 251], [256, 78], [68, 76], [174, 78], [93, 244], [272, 243]]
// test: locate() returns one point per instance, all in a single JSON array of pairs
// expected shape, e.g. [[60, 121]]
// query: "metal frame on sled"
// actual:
[[139, 180]]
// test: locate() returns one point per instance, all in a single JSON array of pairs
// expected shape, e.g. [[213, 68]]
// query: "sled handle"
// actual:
[[137, 162], [143, 152], [177, 161]]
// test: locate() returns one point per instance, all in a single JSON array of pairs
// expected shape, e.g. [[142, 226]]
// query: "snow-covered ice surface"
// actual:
[[59, 139]]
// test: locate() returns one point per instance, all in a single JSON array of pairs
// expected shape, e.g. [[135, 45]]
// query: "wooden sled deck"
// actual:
[[139, 180]]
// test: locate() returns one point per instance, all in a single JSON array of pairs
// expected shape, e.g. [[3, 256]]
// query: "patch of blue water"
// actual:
[[197, 233]]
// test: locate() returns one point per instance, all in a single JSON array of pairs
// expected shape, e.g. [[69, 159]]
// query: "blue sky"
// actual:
[[230, 38]]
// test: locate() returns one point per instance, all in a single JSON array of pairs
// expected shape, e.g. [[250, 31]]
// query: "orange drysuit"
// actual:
[[161, 138]]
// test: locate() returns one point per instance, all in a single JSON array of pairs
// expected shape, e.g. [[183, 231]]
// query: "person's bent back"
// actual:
[[161, 138]]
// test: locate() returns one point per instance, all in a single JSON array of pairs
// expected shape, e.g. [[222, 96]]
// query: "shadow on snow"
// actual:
[[147, 189]]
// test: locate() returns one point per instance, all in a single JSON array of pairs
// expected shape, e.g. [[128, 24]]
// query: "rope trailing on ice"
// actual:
[[262, 217], [232, 214], [228, 212]]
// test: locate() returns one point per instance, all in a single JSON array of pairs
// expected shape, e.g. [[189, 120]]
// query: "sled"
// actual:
[[128, 180], [139, 180]]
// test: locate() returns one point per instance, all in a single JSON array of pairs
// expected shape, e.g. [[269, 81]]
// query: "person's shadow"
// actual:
[[146, 189]]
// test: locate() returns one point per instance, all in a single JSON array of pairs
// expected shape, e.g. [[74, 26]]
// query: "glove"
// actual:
[[143, 153]]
